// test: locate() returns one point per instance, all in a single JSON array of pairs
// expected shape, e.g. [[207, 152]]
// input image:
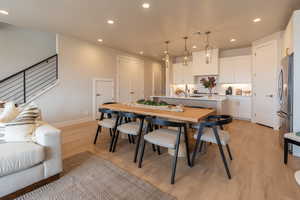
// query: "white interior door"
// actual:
[[103, 93], [130, 80], [264, 83]]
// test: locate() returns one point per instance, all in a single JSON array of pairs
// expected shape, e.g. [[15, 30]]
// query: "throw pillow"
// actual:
[[22, 128], [9, 112]]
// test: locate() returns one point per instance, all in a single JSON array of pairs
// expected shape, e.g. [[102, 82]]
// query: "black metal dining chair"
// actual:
[[133, 126], [212, 131], [167, 138], [108, 119]]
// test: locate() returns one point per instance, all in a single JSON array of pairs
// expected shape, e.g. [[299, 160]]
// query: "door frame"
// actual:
[[94, 80], [275, 43], [153, 81], [122, 57]]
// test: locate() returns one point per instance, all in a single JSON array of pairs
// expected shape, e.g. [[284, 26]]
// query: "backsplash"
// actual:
[[220, 88], [245, 88]]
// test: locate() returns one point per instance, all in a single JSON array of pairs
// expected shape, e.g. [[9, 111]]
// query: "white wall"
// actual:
[[21, 48], [296, 34], [79, 63]]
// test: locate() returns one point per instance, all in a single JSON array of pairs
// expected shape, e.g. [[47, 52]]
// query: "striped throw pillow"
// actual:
[[27, 116], [21, 129]]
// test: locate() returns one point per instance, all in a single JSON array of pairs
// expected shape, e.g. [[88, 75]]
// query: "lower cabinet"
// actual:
[[239, 107]]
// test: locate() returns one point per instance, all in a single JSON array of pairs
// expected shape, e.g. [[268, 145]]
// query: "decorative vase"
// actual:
[[210, 92]]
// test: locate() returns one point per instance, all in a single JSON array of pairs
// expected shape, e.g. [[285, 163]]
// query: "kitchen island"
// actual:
[[216, 101]]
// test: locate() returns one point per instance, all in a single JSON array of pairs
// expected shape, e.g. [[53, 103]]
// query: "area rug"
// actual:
[[90, 177]]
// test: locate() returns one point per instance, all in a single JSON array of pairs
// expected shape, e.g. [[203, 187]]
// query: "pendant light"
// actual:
[[167, 56], [186, 53], [208, 49]]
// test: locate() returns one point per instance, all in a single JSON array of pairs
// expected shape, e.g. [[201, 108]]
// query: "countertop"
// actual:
[[224, 95], [218, 98]]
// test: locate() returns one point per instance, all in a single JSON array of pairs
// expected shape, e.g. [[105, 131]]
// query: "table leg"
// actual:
[[286, 151]]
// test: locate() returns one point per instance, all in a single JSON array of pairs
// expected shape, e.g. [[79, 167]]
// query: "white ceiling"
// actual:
[[137, 29]]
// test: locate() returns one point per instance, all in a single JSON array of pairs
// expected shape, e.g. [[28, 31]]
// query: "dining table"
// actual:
[[188, 115]]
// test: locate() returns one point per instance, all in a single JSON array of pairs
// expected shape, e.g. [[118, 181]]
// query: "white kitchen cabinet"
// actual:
[[239, 107], [200, 68], [182, 74], [243, 69], [235, 69], [226, 71], [178, 77], [232, 107], [288, 46], [245, 108]]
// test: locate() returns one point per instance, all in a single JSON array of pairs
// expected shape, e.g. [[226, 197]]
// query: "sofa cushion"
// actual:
[[19, 156]]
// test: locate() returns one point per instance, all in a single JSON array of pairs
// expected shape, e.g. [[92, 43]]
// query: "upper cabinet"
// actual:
[[288, 46], [235, 69], [199, 66], [182, 74]]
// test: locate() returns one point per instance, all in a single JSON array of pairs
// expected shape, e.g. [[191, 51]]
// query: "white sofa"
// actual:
[[25, 163]]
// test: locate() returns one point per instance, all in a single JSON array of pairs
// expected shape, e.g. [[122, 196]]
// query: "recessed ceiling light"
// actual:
[[141, 52], [257, 20], [146, 5], [194, 46], [232, 40], [4, 12], [100, 40], [110, 21]]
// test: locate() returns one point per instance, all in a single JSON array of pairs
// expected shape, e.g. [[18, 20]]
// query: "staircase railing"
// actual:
[[23, 85]]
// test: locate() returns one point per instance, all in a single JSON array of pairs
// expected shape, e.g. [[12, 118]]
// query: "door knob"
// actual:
[[270, 95], [98, 95]]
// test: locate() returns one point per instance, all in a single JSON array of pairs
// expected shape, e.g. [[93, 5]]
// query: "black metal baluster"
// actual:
[[24, 86], [56, 67]]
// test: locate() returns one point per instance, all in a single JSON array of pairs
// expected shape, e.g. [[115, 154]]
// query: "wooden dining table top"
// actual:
[[189, 114]]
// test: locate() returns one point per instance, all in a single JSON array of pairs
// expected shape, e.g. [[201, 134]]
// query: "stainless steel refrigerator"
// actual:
[[285, 92]]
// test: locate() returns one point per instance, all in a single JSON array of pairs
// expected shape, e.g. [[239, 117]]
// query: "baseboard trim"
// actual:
[[242, 118], [30, 188], [72, 122]]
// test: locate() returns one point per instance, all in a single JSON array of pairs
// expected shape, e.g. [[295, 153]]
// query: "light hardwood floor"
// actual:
[[258, 172]]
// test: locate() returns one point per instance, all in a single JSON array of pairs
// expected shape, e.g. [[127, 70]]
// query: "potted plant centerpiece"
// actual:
[[209, 83], [152, 104]]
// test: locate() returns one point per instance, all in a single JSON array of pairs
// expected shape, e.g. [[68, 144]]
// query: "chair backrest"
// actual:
[[215, 120], [107, 103], [164, 122], [218, 120], [201, 107], [107, 111], [131, 115]]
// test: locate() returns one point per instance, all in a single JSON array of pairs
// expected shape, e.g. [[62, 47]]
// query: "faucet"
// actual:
[[186, 90]]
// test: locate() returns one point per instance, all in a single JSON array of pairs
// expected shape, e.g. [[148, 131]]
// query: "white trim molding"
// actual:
[[257, 45], [122, 57], [94, 114]]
